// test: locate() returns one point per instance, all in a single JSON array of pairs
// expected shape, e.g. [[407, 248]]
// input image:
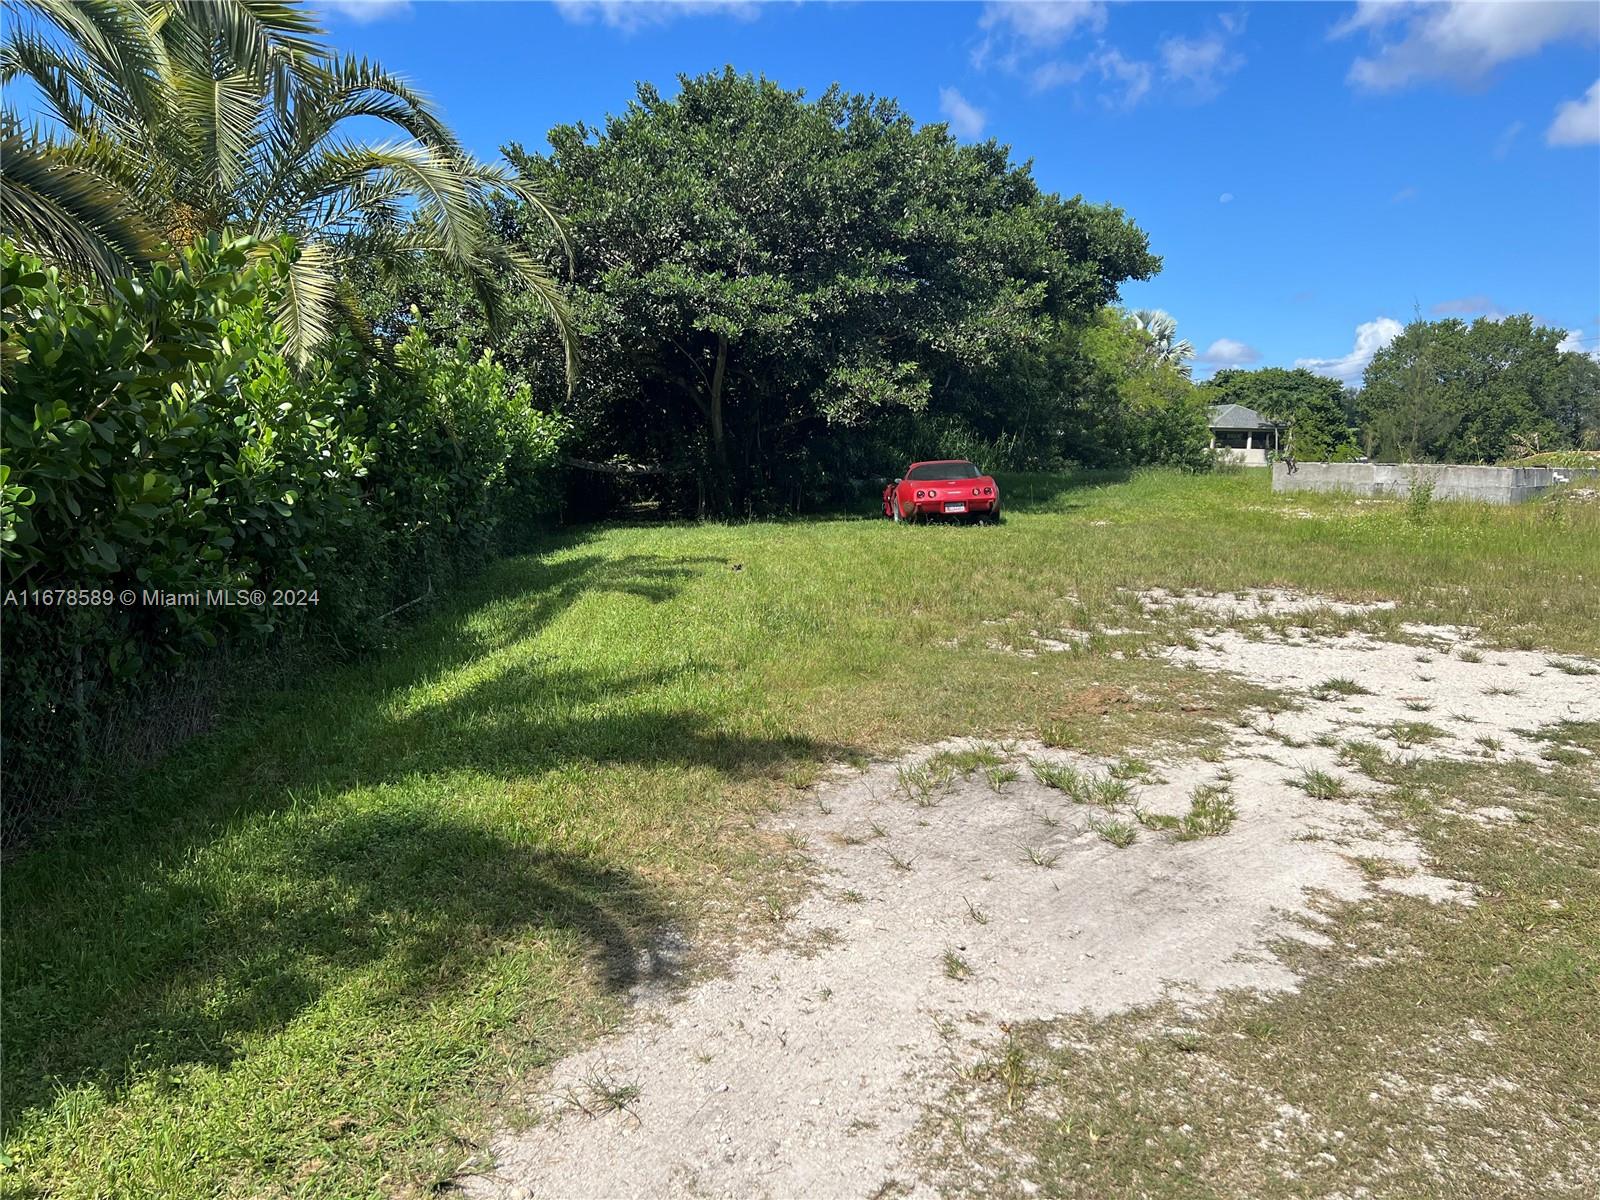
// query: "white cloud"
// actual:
[[1225, 198], [1575, 343], [363, 11], [1371, 336], [1199, 63], [1503, 143], [1016, 28], [1466, 306], [1461, 40], [1018, 38], [1133, 76], [1193, 66], [1054, 74], [966, 120], [1225, 352], [630, 16], [1406, 193], [1016, 32], [1577, 122], [1128, 79]]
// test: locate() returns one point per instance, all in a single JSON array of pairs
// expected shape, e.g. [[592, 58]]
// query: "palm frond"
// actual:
[[355, 87], [309, 296], [444, 196], [257, 36], [71, 87], [491, 177], [373, 203], [188, 115], [345, 89], [497, 270], [507, 264], [120, 39], [57, 205], [221, 114], [355, 319]]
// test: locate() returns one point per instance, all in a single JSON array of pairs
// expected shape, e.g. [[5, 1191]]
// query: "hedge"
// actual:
[[158, 441]]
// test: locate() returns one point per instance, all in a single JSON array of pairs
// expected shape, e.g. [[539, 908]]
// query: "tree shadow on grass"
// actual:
[[404, 902], [336, 836]]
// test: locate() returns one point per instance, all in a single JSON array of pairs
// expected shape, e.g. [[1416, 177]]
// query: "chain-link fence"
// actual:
[[100, 744]]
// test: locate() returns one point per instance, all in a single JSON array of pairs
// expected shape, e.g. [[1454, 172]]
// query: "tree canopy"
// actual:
[[767, 284], [1454, 392]]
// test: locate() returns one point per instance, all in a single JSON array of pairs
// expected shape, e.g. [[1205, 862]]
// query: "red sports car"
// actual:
[[947, 488]]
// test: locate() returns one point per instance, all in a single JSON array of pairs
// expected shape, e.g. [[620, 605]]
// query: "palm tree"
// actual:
[[1166, 346], [173, 119]]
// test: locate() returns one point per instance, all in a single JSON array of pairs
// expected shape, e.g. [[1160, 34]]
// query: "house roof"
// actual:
[[1237, 416]]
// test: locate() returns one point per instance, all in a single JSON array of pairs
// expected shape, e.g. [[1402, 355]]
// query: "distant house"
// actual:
[[1244, 435]]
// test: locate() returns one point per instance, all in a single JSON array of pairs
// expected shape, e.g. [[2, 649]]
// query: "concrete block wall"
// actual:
[[1492, 485]]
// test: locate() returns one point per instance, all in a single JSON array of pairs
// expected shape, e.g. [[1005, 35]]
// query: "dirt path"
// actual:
[[950, 903]]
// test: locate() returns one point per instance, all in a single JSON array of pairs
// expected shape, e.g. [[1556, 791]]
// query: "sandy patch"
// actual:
[[1254, 603], [944, 910], [803, 1071], [1410, 701]]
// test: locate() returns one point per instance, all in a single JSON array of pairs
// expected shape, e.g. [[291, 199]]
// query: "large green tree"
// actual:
[[767, 283], [1313, 404], [165, 121], [1576, 406], [1454, 392]]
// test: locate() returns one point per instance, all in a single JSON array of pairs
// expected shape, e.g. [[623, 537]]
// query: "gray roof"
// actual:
[[1237, 416]]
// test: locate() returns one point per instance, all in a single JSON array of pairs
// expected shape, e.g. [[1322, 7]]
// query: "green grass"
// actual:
[[1062, 778], [1573, 668], [950, 763], [1340, 688], [998, 777], [1085, 787], [1211, 812], [1319, 785], [955, 967], [301, 956], [1407, 734], [1557, 458], [1118, 832]]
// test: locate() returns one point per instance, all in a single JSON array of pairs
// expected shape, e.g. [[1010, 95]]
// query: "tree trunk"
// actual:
[[719, 435]]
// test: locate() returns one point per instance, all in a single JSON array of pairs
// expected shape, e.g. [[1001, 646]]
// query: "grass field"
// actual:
[[304, 954]]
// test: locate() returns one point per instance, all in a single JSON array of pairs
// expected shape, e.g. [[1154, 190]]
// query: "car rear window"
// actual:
[[954, 470]]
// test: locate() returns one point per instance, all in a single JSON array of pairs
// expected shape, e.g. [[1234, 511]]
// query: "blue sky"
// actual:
[[1311, 173]]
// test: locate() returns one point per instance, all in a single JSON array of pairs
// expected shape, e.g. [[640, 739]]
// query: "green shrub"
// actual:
[[1419, 498], [156, 440], [462, 462]]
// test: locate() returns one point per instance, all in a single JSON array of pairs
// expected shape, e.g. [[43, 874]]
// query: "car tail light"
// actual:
[[988, 491], [919, 493], [932, 494]]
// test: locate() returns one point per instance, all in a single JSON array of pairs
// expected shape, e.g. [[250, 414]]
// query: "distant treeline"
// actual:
[[1443, 391]]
